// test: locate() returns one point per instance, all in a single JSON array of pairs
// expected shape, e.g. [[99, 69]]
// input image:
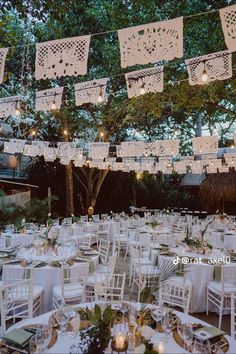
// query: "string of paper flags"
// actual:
[[139, 45], [157, 156]]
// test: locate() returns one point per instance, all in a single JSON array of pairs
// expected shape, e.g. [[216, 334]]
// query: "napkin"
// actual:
[[18, 336], [208, 332]]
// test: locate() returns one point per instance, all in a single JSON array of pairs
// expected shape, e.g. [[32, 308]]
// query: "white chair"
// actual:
[[176, 291], [110, 267], [92, 229], [103, 231], [84, 218], [78, 230], [142, 272], [96, 217], [103, 250], [73, 283], [18, 300], [120, 242], [13, 274], [233, 316], [67, 222], [100, 276], [219, 292], [112, 290], [2, 243], [84, 240]]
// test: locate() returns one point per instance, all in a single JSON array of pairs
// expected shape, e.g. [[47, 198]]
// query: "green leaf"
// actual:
[[98, 313]]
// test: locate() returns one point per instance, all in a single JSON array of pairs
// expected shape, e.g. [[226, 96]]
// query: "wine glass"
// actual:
[[47, 335], [62, 320], [125, 305], [34, 347], [187, 334], [156, 311], [167, 324]]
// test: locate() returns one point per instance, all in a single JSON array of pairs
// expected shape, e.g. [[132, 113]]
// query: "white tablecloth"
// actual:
[[47, 277], [171, 347], [199, 274]]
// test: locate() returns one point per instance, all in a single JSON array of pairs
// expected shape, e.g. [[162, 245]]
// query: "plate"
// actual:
[[224, 342]]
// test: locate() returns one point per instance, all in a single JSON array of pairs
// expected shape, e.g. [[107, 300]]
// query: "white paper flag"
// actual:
[[151, 42], [45, 99], [62, 57], [8, 106], [228, 21], [90, 91], [148, 80], [217, 66], [99, 150], [205, 145]]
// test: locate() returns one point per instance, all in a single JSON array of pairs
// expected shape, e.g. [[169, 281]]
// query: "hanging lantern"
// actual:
[[12, 162]]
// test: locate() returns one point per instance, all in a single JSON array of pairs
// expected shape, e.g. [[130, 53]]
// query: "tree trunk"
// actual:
[[69, 191], [94, 186], [199, 125]]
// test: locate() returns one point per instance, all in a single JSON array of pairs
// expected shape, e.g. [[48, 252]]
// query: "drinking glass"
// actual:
[[157, 311], [47, 336], [125, 305], [187, 334], [62, 320], [167, 324], [34, 347]]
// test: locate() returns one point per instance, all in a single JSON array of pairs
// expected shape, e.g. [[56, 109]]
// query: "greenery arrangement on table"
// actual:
[[153, 224], [194, 242], [96, 338]]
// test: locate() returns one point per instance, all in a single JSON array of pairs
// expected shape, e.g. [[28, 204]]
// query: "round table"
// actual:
[[63, 345], [46, 276], [198, 273]]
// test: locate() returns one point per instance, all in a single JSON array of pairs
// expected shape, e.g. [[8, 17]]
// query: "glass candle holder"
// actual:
[[120, 339]]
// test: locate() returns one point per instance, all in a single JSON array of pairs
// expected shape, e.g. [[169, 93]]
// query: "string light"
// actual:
[[54, 106], [204, 74], [142, 89], [100, 97], [17, 111]]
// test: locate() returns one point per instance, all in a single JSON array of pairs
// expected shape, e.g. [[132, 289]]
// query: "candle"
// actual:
[[160, 348], [120, 341]]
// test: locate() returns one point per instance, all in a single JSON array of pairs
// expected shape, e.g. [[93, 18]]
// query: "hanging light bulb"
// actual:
[[33, 133], [54, 106], [204, 74], [65, 132], [17, 111], [101, 134], [142, 89], [100, 97]]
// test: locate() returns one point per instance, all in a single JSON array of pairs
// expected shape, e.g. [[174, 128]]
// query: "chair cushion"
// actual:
[[71, 290], [217, 287], [94, 278], [147, 270], [101, 268], [37, 291]]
